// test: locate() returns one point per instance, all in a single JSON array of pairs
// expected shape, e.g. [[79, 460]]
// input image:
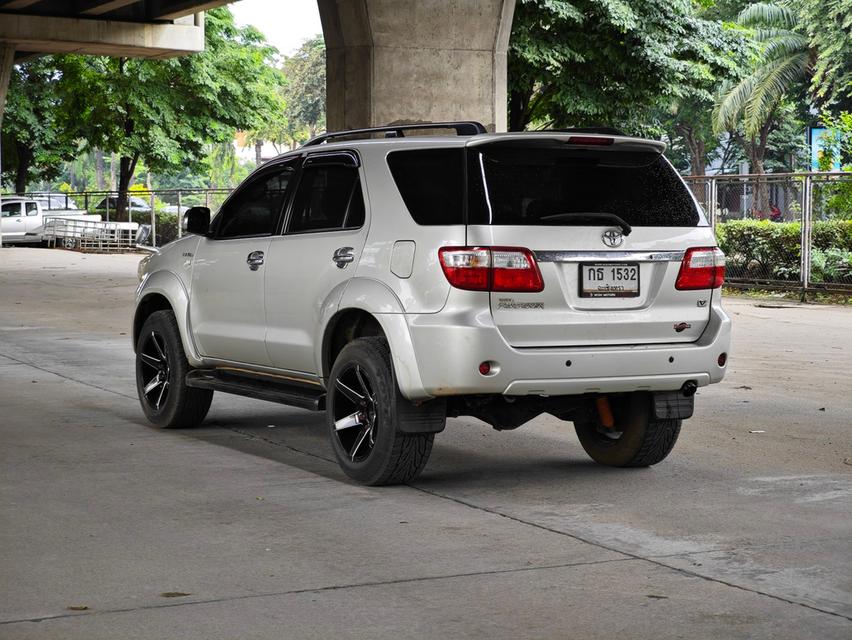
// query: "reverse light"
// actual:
[[702, 268], [506, 269]]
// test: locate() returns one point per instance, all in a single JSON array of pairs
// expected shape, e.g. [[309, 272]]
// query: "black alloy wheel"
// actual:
[[155, 370], [355, 414]]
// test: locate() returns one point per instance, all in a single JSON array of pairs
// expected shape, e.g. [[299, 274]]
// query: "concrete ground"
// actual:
[[246, 528]]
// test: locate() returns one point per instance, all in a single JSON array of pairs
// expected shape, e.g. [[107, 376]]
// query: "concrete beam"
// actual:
[[173, 9], [17, 4], [100, 7], [392, 61], [41, 34]]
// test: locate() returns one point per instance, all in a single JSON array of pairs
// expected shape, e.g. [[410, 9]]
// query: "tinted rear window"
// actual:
[[522, 184], [431, 183]]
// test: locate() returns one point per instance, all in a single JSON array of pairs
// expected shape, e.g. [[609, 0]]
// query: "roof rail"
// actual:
[[607, 131], [470, 128]]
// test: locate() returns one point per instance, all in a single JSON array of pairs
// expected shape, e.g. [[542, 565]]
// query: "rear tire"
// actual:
[[161, 369], [367, 417], [637, 440]]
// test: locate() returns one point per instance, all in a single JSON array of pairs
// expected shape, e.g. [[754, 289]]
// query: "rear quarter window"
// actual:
[[431, 183]]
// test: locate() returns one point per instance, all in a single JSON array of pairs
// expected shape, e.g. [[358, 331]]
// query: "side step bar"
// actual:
[[258, 386]]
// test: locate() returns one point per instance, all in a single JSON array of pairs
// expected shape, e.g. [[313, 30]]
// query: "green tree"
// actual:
[[828, 24], [164, 112], [37, 137], [304, 92], [606, 62]]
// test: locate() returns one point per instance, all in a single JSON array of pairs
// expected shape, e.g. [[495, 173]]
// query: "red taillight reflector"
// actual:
[[590, 140], [702, 268], [491, 269]]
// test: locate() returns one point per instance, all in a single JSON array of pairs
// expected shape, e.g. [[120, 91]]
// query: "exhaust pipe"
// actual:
[[689, 388]]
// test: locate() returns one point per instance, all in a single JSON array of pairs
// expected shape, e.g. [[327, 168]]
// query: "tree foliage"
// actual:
[[608, 62], [38, 135], [164, 112], [828, 26]]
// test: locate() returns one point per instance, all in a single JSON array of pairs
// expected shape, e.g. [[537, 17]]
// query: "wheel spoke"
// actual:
[[350, 393], [362, 383], [162, 391], [358, 444], [155, 382], [352, 420], [157, 345], [151, 361]]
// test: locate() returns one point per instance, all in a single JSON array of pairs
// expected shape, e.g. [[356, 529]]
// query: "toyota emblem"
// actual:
[[612, 237]]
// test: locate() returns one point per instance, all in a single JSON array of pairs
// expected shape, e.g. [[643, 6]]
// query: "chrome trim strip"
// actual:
[[608, 256]]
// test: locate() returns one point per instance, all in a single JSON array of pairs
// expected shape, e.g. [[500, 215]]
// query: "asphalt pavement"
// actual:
[[246, 528]]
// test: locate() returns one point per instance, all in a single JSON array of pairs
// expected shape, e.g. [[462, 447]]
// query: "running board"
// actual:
[[258, 386]]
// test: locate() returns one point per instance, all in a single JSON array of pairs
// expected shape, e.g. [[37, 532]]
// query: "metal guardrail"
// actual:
[[800, 244]]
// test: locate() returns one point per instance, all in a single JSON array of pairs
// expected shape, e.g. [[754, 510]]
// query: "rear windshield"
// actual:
[[537, 184]]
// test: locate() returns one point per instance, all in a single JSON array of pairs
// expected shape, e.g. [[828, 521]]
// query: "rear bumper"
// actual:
[[448, 349]]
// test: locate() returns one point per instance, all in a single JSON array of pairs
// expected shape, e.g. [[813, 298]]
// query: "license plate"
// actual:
[[609, 279]]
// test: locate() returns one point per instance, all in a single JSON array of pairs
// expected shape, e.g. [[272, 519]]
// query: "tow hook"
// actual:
[[604, 412], [689, 388]]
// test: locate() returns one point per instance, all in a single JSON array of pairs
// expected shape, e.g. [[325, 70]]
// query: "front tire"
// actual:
[[367, 416], [637, 439], [161, 369]]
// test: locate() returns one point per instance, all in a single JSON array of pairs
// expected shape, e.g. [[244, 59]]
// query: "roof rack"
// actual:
[[607, 131], [470, 128]]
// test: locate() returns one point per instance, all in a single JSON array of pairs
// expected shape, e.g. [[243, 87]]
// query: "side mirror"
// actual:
[[198, 220]]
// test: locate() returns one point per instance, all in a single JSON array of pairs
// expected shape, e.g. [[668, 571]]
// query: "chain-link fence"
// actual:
[[791, 231]]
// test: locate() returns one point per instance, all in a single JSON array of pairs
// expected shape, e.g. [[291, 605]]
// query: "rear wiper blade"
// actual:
[[589, 216]]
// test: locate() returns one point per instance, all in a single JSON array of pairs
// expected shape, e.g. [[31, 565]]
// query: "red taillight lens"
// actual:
[[702, 268], [491, 269]]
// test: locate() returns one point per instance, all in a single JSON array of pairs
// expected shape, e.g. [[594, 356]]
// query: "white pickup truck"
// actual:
[[23, 219]]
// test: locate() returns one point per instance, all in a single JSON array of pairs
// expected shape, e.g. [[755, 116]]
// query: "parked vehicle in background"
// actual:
[[19, 217], [395, 282], [135, 203], [55, 202], [23, 219]]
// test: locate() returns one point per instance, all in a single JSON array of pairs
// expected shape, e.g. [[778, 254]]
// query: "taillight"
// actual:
[[702, 268], [491, 268]]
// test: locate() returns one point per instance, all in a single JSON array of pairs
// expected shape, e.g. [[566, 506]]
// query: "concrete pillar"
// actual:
[[404, 61]]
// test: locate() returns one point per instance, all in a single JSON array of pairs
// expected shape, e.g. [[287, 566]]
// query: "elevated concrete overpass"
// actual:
[[389, 61]]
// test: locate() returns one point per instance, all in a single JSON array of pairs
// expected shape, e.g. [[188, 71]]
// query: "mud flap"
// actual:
[[673, 405]]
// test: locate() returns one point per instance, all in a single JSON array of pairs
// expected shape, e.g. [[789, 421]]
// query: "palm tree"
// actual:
[[784, 61]]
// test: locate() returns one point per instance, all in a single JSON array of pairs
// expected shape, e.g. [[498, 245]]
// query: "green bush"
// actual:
[[166, 225], [765, 250]]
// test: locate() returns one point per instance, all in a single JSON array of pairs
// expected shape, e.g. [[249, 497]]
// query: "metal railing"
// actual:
[[162, 209], [90, 235], [787, 231]]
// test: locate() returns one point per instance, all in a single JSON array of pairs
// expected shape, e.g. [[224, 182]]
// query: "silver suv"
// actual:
[[395, 281]]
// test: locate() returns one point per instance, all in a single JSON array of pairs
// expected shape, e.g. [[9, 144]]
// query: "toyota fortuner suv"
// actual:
[[399, 280]]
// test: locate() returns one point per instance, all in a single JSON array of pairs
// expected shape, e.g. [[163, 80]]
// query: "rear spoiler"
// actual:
[[576, 139]]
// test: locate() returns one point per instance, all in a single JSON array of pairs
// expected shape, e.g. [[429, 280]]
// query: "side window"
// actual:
[[32, 209], [254, 209], [329, 197], [12, 210], [431, 183]]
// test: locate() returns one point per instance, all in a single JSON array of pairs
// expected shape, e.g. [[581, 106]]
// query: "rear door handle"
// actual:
[[254, 260], [343, 256]]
